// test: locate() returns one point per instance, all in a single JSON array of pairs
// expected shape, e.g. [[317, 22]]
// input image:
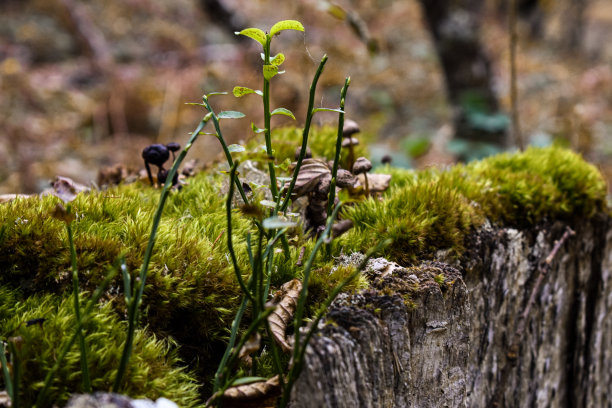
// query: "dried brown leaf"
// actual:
[[311, 172], [67, 189], [280, 318], [259, 392], [251, 346]]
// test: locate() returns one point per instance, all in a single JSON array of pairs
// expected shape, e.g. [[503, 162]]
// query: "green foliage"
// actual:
[[430, 210], [154, 370]]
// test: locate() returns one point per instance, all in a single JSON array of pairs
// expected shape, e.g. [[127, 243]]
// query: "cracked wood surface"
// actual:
[[441, 335]]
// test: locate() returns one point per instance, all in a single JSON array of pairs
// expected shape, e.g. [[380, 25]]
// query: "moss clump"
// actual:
[[154, 370], [321, 141], [430, 210]]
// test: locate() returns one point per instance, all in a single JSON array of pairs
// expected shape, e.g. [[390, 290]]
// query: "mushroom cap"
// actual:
[[362, 165], [173, 146], [350, 128], [351, 141], [344, 179], [156, 154]]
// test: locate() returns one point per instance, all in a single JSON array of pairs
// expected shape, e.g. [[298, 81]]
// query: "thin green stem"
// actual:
[[230, 344], [230, 245], [77, 310], [305, 133], [16, 374], [228, 155], [299, 310], [137, 296], [236, 351], [68, 345], [8, 382], [332, 188], [267, 121]]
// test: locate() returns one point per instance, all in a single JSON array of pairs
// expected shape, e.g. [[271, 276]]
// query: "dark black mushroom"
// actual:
[[162, 175], [156, 154], [386, 159], [173, 147]]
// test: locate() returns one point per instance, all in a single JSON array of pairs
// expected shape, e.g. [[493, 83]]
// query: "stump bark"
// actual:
[[441, 334]]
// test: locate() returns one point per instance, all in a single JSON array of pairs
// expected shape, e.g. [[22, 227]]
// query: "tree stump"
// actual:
[[449, 334]]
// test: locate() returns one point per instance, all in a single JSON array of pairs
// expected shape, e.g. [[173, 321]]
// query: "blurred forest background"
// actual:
[[85, 85]]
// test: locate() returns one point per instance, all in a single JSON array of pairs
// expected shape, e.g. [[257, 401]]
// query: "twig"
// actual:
[[300, 256], [516, 127], [218, 238]]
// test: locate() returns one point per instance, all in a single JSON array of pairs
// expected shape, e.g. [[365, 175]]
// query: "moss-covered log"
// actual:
[[459, 214]]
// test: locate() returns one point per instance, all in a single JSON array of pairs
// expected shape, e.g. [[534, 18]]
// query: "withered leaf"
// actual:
[[251, 346], [377, 183], [280, 318], [67, 189], [260, 391], [311, 172]]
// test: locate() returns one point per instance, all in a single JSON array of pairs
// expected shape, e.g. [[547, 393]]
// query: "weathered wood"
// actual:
[[441, 335]]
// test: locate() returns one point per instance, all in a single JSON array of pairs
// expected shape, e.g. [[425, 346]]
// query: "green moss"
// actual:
[[191, 293], [154, 370], [430, 210], [321, 140]]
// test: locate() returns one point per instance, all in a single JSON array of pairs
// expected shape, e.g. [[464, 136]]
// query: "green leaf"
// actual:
[[282, 111], [256, 130], [284, 165], [215, 93], [269, 71], [247, 380], [235, 148], [254, 33], [327, 110], [268, 203], [276, 223], [240, 91], [278, 59], [336, 11], [230, 115], [286, 25]]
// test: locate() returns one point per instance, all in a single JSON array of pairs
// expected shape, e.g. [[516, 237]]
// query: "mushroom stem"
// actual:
[[367, 187], [149, 172]]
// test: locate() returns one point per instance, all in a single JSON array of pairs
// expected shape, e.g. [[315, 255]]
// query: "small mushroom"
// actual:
[[156, 154], [350, 128], [350, 142], [386, 159], [362, 166], [307, 155], [344, 179]]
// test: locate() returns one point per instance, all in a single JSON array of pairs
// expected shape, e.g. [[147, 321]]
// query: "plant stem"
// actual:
[[8, 383], [77, 310], [68, 345], [299, 310], [136, 298], [267, 116], [228, 155], [230, 245], [332, 187], [16, 374], [516, 127], [305, 133]]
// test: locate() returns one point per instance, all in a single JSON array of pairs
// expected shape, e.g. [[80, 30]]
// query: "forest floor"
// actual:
[[87, 85]]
